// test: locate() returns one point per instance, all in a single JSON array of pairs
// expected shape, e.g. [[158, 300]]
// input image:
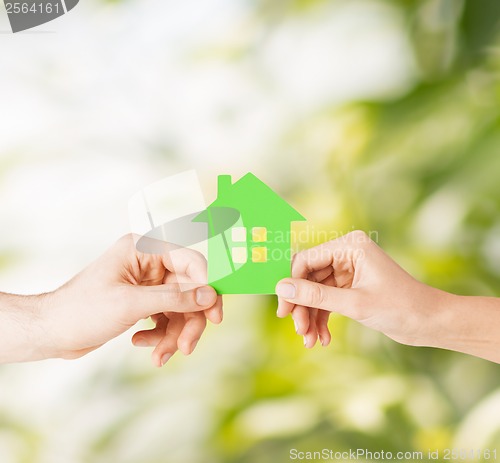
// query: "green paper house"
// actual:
[[249, 246]]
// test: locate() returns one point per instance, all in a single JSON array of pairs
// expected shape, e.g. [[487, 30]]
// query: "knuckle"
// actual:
[[126, 242], [193, 255], [171, 298], [199, 259], [296, 263], [196, 260], [126, 239], [314, 293], [300, 262], [358, 236], [300, 257]]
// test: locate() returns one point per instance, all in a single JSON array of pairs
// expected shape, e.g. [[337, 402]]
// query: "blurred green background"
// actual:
[[374, 115]]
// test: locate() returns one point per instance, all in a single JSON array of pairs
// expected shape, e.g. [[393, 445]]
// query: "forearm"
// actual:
[[471, 325], [21, 328]]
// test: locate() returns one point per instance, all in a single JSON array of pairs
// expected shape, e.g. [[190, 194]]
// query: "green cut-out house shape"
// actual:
[[249, 227]]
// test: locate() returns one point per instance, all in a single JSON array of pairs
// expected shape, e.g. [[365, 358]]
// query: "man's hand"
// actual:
[[122, 287]]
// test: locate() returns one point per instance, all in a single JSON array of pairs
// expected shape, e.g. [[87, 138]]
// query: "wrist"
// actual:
[[470, 324], [441, 326], [23, 337], [428, 318]]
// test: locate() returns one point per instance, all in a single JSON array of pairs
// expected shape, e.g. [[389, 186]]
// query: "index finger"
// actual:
[[174, 258], [347, 247], [187, 262]]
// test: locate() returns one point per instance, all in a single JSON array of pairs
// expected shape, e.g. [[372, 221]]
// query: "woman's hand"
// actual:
[[354, 277]]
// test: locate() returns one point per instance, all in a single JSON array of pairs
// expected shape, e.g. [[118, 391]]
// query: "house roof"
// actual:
[[253, 199]]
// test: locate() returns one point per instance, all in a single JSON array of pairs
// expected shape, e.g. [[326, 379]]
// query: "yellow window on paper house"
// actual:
[[259, 254], [259, 234]]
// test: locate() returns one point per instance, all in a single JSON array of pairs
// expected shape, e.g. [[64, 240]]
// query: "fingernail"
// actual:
[[141, 342], [305, 341], [321, 341], [285, 290], [204, 296], [193, 345], [165, 359], [296, 326], [278, 311]]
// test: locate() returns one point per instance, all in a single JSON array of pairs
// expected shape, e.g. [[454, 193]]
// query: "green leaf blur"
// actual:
[[420, 170]]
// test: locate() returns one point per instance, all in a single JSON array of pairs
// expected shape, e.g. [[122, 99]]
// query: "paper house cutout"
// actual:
[[252, 255]]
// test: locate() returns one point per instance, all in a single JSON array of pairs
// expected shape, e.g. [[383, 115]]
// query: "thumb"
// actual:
[[311, 294], [145, 301]]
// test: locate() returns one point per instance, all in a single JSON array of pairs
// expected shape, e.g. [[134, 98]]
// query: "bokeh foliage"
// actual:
[[421, 169]]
